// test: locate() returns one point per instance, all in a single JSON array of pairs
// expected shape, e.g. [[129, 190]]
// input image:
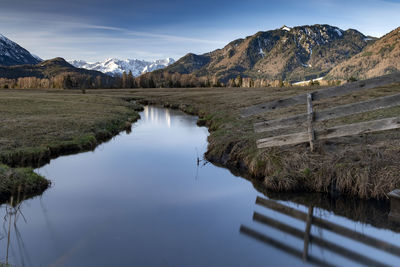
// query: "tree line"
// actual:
[[61, 81], [155, 79]]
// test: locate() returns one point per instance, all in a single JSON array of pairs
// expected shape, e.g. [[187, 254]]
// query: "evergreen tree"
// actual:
[[67, 82], [130, 80], [124, 80]]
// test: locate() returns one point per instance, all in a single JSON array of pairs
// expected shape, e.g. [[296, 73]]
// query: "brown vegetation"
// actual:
[[303, 53], [55, 73], [39, 122], [365, 166], [380, 58]]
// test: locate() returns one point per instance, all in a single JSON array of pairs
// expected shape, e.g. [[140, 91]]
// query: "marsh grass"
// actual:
[[365, 166], [20, 181], [39, 125]]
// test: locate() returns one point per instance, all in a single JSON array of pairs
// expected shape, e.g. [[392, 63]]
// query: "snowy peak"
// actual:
[[286, 28], [115, 66], [12, 54]]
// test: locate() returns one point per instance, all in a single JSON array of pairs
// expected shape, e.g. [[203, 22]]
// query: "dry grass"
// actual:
[[40, 121], [39, 125], [365, 166]]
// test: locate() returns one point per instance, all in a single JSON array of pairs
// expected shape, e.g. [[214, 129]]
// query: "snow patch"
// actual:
[[14, 54], [286, 28], [261, 52], [37, 57], [339, 32], [306, 82], [368, 39]]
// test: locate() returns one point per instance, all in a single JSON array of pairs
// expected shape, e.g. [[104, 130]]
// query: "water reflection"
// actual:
[[10, 233], [352, 253], [157, 116], [146, 199]]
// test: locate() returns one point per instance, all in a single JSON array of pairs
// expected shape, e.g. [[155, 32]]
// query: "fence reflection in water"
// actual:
[[308, 238]]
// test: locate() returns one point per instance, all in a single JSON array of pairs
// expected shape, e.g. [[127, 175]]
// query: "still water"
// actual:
[[141, 199]]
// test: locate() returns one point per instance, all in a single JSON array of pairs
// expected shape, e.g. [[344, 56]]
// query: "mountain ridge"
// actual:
[[293, 54], [12, 54], [114, 66]]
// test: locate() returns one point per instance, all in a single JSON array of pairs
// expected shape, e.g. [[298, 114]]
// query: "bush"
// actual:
[[351, 79]]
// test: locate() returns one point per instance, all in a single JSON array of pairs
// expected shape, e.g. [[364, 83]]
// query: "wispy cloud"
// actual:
[[71, 37], [130, 28]]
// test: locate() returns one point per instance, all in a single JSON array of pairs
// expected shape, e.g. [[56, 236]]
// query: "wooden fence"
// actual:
[[308, 119], [308, 238]]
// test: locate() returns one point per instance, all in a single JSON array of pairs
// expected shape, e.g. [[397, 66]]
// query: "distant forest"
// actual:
[[149, 80]]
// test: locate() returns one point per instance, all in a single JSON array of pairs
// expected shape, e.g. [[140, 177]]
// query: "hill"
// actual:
[[46, 69], [292, 54], [54, 73], [380, 58]]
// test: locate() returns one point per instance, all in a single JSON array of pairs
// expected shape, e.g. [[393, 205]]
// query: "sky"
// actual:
[[94, 30]]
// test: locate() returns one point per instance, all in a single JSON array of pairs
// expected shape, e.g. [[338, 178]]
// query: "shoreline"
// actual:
[[257, 168], [17, 176], [363, 166]]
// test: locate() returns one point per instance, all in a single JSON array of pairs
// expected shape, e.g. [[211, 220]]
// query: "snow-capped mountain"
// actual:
[[114, 66], [13, 54]]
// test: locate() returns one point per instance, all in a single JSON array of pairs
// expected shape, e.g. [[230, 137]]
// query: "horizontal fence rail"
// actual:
[[281, 246], [338, 131], [321, 94], [327, 114]]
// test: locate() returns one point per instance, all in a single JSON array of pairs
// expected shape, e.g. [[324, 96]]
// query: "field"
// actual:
[[38, 125]]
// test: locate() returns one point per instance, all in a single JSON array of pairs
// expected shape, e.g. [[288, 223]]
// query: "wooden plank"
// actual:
[[310, 119], [281, 140], [338, 131], [322, 94], [281, 246], [332, 113], [338, 229], [347, 253]]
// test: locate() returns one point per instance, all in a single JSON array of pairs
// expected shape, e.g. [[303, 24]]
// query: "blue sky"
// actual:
[[99, 29]]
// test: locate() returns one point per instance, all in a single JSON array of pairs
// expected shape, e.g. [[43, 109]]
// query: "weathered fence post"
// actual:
[[307, 232], [394, 205], [310, 113]]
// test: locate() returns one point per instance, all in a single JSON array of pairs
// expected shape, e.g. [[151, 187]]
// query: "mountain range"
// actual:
[[288, 54], [292, 54], [114, 66]]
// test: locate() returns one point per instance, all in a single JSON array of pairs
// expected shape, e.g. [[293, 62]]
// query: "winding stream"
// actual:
[[141, 199]]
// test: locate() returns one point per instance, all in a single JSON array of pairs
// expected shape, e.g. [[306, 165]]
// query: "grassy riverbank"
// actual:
[[21, 183], [45, 124], [364, 166], [37, 126]]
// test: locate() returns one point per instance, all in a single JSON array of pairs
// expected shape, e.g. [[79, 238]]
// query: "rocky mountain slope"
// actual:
[[114, 66], [292, 54], [380, 58], [13, 54]]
